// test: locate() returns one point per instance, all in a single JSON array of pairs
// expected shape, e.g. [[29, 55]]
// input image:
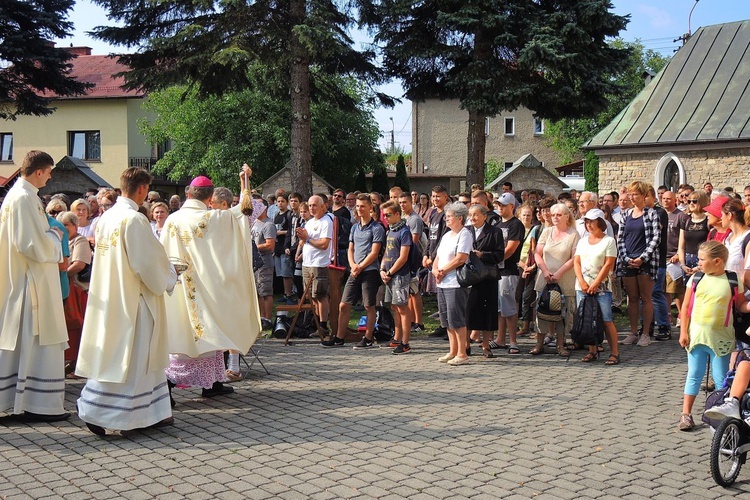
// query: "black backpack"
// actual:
[[385, 325], [588, 325], [549, 307]]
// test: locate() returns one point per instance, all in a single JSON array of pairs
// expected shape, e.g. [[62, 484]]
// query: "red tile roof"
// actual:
[[99, 70]]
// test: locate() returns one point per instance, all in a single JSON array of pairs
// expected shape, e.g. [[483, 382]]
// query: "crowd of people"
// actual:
[[638, 248]]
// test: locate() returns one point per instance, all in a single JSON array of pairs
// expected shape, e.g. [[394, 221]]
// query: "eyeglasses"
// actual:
[[105, 205], [692, 202]]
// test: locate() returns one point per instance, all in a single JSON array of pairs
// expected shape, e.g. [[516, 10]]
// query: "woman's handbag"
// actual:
[[474, 271]]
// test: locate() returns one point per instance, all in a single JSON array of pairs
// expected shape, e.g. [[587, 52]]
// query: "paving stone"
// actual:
[[328, 424]]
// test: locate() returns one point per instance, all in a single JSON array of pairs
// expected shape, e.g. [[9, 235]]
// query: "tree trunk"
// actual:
[[476, 140], [301, 137], [475, 144]]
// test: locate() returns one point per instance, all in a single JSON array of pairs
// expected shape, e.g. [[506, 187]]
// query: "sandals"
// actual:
[[599, 348], [563, 353], [487, 353], [613, 360], [536, 351], [588, 358], [495, 345], [513, 349]]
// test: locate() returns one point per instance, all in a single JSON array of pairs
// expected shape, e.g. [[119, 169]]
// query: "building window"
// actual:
[[85, 145], [510, 125], [538, 126], [508, 164], [6, 147], [486, 126]]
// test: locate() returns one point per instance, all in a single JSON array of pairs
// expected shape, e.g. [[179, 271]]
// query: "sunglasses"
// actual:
[[388, 215], [692, 202]]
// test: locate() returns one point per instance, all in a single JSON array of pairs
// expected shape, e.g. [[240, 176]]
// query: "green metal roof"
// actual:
[[701, 95]]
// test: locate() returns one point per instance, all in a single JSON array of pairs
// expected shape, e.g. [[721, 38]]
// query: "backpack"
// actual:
[[549, 307], [740, 321], [385, 325], [416, 252], [588, 325]]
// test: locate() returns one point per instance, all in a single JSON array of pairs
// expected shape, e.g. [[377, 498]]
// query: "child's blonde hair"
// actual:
[[714, 250]]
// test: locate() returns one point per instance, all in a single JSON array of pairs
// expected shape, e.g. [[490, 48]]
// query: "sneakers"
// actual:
[[333, 342], [417, 327], [730, 408], [439, 332], [402, 349], [390, 345], [548, 340], [629, 340], [644, 341], [364, 344], [664, 333], [266, 324], [686, 422]]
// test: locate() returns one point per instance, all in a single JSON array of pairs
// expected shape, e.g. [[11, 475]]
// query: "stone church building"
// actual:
[[691, 124]]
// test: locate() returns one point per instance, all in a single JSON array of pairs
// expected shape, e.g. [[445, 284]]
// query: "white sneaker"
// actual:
[[730, 408], [629, 340], [644, 341]]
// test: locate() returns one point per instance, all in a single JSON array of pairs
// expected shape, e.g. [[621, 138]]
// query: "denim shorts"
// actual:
[[605, 303]]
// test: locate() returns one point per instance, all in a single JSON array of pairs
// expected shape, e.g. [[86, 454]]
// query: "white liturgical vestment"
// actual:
[[129, 266], [33, 336], [29, 251], [216, 305]]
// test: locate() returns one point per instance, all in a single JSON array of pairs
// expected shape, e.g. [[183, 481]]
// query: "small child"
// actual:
[[704, 333]]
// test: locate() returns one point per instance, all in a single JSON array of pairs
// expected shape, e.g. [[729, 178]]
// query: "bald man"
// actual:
[[316, 239]]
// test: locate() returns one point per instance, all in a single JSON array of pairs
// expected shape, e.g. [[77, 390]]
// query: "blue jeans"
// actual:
[[659, 298]]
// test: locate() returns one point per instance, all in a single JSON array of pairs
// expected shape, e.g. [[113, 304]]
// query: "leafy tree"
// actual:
[[494, 169], [32, 67], [401, 180], [214, 135], [209, 44], [567, 136], [380, 180], [494, 55]]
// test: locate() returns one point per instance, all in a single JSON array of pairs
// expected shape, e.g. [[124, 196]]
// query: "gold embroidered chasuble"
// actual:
[[216, 306], [129, 264], [30, 253]]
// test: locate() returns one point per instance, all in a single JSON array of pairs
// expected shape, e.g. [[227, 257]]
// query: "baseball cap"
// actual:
[[715, 207], [507, 199], [201, 181], [594, 214]]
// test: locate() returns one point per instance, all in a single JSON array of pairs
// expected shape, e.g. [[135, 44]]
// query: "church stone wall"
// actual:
[[722, 167]]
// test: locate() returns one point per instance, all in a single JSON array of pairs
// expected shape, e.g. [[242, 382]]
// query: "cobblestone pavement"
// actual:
[[338, 423]]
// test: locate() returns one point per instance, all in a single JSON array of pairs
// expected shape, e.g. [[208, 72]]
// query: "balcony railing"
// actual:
[[148, 164]]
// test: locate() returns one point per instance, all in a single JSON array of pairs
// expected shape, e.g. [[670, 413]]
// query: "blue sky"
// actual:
[[656, 23]]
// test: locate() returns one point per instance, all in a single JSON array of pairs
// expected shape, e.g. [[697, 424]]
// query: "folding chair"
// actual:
[[304, 304], [255, 353]]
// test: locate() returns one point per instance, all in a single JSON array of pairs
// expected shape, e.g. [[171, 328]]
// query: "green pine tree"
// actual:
[[380, 180], [495, 55], [210, 44], [31, 66], [402, 179]]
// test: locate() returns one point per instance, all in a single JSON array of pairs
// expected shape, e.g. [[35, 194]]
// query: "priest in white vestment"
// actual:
[[33, 335], [123, 350], [215, 308]]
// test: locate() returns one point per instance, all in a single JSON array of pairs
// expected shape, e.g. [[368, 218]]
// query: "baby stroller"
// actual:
[[731, 439]]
